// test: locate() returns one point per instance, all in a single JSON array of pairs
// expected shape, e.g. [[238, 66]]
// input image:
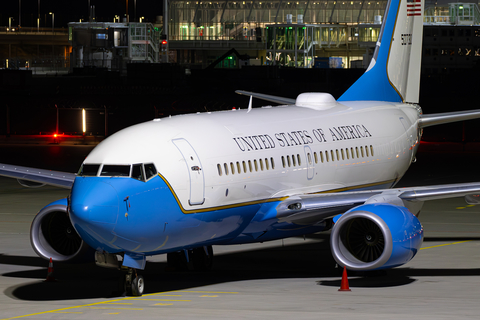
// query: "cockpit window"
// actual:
[[89, 170], [111, 170], [137, 172], [150, 170]]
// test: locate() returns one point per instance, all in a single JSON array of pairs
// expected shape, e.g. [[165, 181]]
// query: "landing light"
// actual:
[[295, 206]]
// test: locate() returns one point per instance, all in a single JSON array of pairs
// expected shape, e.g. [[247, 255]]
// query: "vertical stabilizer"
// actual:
[[394, 72]]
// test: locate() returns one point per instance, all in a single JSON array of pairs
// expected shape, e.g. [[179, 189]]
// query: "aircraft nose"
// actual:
[[93, 202]]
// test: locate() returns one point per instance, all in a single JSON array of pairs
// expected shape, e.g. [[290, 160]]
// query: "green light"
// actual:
[[461, 7], [290, 28]]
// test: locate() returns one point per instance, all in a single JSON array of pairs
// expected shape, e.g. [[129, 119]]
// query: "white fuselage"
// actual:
[[231, 157]]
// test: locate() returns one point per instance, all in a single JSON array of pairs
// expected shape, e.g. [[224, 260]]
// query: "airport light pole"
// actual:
[[53, 20], [128, 19], [53, 24]]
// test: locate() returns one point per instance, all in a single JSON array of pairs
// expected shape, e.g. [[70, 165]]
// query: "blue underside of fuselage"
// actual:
[[126, 215]]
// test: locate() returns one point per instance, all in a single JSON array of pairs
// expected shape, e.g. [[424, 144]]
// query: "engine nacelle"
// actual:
[[53, 236], [376, 236]]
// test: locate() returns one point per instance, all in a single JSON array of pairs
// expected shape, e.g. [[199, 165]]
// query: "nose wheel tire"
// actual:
[[134, 283], [138, 285]]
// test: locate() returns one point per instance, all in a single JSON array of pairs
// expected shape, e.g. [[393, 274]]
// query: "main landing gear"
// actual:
[[197, 259]]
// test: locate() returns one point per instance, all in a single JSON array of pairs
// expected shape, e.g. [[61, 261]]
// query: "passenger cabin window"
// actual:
[[219, 167], [111, 170], [89, 170], [226, 168]]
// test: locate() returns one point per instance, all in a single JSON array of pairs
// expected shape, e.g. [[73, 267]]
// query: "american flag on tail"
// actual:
[[414, 8]]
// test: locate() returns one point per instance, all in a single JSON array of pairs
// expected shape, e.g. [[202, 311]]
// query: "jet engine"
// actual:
[[376, 236], [53, 236]]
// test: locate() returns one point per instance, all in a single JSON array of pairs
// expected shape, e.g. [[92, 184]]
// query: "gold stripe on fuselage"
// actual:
[[248, 203]]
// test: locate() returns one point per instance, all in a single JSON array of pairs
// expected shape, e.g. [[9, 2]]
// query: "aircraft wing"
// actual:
[[31, 177], [267, 97], [312, 208]]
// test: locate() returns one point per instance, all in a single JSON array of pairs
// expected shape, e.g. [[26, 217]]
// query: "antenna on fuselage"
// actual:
[[250, 105]]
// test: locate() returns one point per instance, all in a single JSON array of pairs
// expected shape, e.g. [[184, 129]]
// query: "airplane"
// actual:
[[179, 185]]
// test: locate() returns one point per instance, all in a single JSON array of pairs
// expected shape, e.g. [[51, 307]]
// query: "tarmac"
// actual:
[[285, 279]]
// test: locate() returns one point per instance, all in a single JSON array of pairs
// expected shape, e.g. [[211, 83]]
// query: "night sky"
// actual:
[[74, 10]]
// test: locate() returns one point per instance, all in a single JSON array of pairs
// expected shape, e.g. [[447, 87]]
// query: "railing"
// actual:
[[38, 65], [215, 38], [39, 31], [437, 19]]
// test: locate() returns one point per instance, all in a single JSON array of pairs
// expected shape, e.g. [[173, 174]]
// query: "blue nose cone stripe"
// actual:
[[94, 201]]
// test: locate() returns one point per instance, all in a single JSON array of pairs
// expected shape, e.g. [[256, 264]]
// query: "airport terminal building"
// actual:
[[231, 34], [295, 33], [199, 30]]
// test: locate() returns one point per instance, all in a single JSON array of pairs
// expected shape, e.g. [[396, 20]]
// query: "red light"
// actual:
[[55, 135], [164, 42]]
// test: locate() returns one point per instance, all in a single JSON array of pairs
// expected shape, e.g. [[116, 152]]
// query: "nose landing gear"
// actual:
[[134, 283]]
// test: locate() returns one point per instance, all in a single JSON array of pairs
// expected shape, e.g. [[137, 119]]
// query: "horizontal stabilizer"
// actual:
[[267, 97], [428, 120]]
